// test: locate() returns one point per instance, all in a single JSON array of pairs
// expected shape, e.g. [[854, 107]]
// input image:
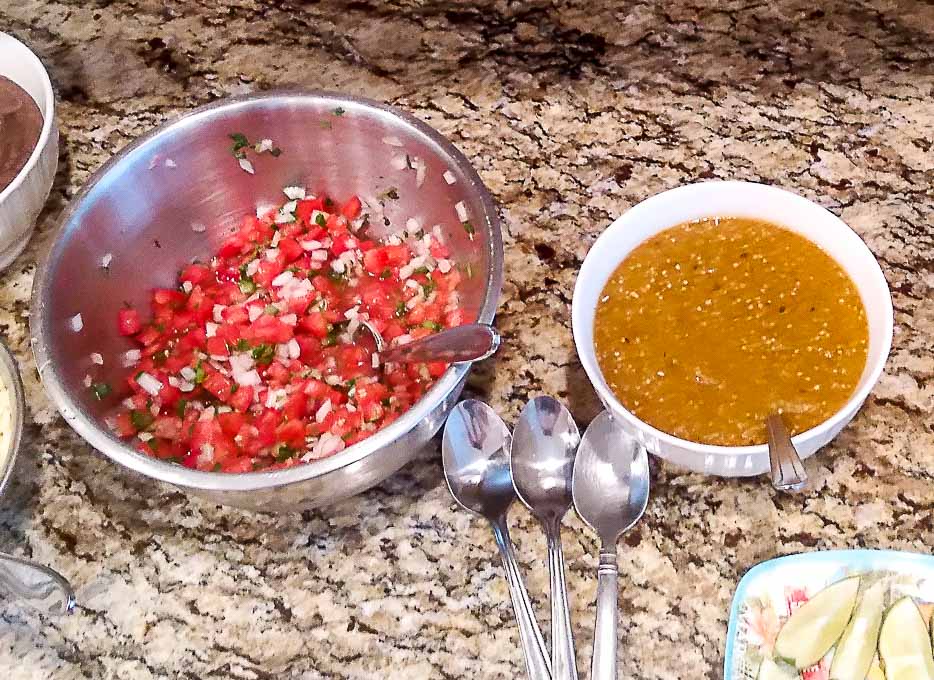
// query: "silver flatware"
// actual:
[[611, 490], [544, 444], [36, 584], [470, 342], [787, 469], [475, 452]]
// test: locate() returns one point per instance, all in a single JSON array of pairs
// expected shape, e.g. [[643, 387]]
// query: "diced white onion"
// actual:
[[421, 170], [338, 266], [275, 239], [412, 226], [449, 177], [286, 213], [106, 260], [461, 211], [87, 381], [169, 163], [264, 145], [392, 141], [374, 360], [289, 319], [252, 267], [145, 436], [283, 278], [198, 228], [352, 312], [444, 266], [218, 313], [272, 254], [310, 245], [186, 286], [149, 383], [76, 323], [131, 357], [295, 193], [319, 255], [399, 162], [323, 412], [263, 209], [97, 359], [333, 380], [247, 166], [255, 312], [295, 350], [248, 378], [210, 329]]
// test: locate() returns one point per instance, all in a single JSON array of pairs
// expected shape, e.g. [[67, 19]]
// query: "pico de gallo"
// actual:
[[254, 361]]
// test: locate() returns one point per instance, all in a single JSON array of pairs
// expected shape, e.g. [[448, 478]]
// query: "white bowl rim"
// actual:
[[588, 359], [106, 441], [48, 119]]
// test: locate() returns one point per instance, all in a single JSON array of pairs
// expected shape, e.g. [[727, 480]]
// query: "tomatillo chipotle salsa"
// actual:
[[253, 361]]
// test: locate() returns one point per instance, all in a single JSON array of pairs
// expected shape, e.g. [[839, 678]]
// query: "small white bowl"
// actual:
[[22, 201], [731, 199]]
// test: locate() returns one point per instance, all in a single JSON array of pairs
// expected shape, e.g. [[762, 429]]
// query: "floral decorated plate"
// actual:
[[836, 615]]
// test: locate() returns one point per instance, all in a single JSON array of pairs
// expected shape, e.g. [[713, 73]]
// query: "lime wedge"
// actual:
[[769, 670], [904, 644], [853, 655], [812, 630]]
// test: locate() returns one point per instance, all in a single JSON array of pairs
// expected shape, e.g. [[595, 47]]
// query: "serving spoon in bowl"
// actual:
[[470, 342], [787, 469]]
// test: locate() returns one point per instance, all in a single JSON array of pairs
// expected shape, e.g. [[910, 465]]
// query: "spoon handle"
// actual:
[[471, 342], [787, 469], [41, 586], [603, 664], [563, 659], [530, 635]]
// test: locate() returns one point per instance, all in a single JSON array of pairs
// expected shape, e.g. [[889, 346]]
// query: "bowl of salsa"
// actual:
[[705, 309], [199, 316]]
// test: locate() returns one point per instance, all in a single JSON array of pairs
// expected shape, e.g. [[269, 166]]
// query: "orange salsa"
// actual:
[[708, 327]]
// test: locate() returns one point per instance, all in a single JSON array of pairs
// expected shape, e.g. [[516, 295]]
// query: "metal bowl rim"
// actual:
[[116, 450], [17, 411]]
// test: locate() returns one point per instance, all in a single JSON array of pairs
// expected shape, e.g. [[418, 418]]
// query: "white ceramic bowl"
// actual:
[[21, 202], [732, 199]]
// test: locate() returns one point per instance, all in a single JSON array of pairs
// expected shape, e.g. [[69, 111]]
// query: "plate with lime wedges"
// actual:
[[835, 615]]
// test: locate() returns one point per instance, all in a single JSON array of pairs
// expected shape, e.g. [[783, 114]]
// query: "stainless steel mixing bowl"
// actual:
[[140, 208]]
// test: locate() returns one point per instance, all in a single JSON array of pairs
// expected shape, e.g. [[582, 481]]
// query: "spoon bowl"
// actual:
[[611, 479], [544, 445]]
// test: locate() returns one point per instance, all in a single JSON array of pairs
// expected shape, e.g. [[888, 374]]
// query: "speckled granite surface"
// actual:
[[571, 113]]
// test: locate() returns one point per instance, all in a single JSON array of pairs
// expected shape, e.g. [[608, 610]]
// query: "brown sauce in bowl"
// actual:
[[708, 327], [20, 128]]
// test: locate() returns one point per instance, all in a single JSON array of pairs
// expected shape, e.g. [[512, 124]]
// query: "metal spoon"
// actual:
[[37, 584], [787, 469], [470, 342], [543, 448], [475, 453], [610, 489]]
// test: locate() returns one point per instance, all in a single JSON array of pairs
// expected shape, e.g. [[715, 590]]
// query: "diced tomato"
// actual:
[[268, 328], [196, 273], [291, 432], [304, 208], [315, 324], [169, 297], [289, 249], [242, 399], [231, 422], [218, 385], [128, 321], [217, 347], [351, 208]]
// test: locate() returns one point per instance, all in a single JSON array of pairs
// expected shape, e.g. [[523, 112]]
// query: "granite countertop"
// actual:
[[571, 114]]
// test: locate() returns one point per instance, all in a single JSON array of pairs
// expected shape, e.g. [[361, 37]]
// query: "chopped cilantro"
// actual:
[[271, 310], [240, 142], [160, 356], [429, 287], [199, 374], [337, 277], [421, 270], [234, 388], [400, 309], [242, 345], [284, 452], [263, 354], [217, 467], [387, 402], [391, 193], [468, 227], [321, 220], [275, 152], [180, 407], [101, 390], [325, 124], [386, 273], [328, 202], [339, 111], [432, 325], [174, 459], [247, 287], [141, 419]]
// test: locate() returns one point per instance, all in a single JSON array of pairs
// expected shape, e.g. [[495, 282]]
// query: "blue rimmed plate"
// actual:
[[770, 591]]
